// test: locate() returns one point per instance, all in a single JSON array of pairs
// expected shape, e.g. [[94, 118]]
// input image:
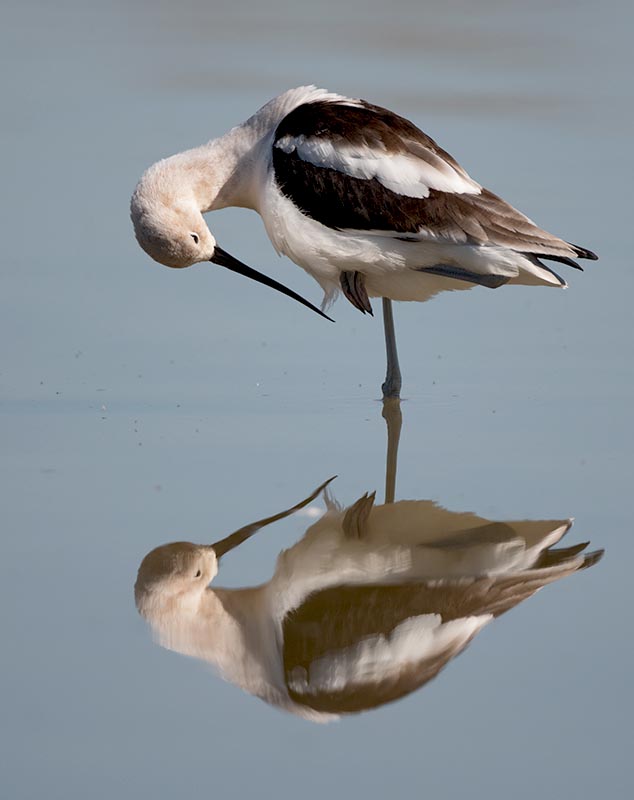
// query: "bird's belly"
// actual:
[[408, 284]]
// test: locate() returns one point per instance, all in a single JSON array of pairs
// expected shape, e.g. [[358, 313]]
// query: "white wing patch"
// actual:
[[403, 173], [376, 658]]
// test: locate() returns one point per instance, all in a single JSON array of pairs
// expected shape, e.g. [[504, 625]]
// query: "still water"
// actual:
[[142, 407]]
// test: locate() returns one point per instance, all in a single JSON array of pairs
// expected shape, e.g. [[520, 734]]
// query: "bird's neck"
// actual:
[[213, 628], [224, 172], [230, 170], [236, 632]]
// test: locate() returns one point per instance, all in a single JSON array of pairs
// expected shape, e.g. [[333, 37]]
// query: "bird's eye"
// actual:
[[198, 574], [195, 237]]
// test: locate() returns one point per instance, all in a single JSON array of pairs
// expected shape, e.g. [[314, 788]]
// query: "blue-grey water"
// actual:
[[142, 405]]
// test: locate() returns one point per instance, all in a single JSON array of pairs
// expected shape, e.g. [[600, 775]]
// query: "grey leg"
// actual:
[[392, 385]]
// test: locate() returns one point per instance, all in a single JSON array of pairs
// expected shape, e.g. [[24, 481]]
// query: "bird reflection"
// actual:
[[368, 606]]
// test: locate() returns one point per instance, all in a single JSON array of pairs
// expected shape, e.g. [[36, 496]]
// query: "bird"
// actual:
[[369, 605], [358, 196]]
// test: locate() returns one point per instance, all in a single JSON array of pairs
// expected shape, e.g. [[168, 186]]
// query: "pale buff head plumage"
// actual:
[[167, 220], [174, 575]]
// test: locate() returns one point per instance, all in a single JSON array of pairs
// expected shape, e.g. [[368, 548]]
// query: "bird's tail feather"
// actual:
[[579, 252]]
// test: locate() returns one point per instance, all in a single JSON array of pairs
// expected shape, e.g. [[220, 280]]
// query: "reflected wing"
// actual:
[[351, 648], [360, 167]]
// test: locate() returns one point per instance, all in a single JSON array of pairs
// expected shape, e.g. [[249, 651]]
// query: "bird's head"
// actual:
[[167, 221], [174, 575], [170, 227], [173, 578]]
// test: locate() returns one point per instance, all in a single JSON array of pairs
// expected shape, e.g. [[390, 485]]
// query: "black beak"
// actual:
[[234, 539], [223, 258]]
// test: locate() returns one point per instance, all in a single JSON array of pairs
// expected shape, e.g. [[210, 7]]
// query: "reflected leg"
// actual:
[[393, 417]]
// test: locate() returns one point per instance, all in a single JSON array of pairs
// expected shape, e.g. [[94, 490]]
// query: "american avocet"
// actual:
[[368, 606], [358, 196]]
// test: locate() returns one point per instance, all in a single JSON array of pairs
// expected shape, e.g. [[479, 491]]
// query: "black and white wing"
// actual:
[[351, 165]]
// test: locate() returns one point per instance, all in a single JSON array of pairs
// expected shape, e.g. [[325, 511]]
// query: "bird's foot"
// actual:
[[353, 287], [392, 385]]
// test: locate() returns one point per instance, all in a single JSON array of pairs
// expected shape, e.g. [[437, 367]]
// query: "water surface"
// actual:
[[142, 406]]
